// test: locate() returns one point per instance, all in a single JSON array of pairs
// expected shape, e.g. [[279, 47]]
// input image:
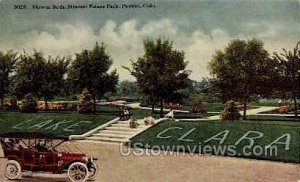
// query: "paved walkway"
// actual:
[[249, 112], [134, 105], [215, 117], [137, 106], [117, 168], [259, 110]]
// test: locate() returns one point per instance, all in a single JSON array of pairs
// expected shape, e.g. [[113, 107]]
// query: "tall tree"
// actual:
[[40, 76], [90, 71], [28, 74], [8, 61], [240, 71], [128, 88], [160, 72], [288, 82], [53, 78]]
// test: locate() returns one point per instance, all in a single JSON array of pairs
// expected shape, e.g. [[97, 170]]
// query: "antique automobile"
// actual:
[[36, 152]]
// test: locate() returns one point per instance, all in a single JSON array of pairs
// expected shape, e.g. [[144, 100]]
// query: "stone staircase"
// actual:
[[117, 132]]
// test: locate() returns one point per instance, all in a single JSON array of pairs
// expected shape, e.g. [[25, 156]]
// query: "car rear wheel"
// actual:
[[78, 172], [93, 171], [12, 169]]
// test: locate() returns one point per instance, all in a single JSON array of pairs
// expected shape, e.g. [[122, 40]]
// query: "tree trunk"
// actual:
[[153, 108], [2, 102], [46, 104], [94, 104], [295, 107], [161, 108], [245, 110]]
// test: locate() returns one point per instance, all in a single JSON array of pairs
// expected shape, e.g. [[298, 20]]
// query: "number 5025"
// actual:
[[20, 7]]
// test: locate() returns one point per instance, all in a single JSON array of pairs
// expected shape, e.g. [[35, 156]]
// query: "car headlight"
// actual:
[[85, 158]]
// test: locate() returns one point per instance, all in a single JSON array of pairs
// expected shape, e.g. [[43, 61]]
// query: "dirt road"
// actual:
[[117, 168]]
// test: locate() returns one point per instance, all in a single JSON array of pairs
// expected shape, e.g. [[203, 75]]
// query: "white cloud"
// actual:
[[125, 41], [70, 39]]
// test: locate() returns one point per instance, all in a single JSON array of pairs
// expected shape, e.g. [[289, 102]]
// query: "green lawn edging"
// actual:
[[64, 123], [206, 129]]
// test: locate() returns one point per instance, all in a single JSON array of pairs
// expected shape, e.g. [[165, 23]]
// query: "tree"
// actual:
[[53, 78], [197, 107], [241, 71], [28, 74], [230, 112], [89, 71], [160, 73], [85, 105], [41, 77], [128, 88], [288, 81], [8, 61], [29, 104]]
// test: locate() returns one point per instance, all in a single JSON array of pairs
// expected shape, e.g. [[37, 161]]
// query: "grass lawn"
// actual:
[[208, 106], [142, 113], [276, 119], [213, 106], [202, 131], [62, 123], [136, 113], [181, 115]]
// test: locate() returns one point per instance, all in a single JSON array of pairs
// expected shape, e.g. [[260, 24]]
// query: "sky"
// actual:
[[198, 28]]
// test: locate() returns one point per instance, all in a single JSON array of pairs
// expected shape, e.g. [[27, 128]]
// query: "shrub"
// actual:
[[85, 104], [133, 123], [197, 107], [284, 109], [173, 106], [29, 104], [72, 107], [14, 103], [230, 112], [11, 104], [149, 121]]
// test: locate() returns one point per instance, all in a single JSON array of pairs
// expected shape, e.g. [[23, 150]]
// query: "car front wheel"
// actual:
[[12, 169], [78, 172]]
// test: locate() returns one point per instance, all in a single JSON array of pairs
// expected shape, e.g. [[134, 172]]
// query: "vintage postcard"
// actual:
[[149, 90]]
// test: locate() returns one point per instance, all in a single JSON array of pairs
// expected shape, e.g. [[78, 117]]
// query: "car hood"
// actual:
[[1, 151]]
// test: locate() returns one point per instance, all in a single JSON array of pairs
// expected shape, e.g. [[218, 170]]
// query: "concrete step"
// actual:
[[121, 125], [117, 132], [125, 125], [106, 139], [111, 135], [140, 122], [122, 129]]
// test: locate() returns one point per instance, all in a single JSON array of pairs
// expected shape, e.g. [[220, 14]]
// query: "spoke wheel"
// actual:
[[78, 172], [12, 169], [93, 171]]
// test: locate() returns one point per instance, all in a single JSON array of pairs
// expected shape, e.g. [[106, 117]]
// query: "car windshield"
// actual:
[[13, 144]]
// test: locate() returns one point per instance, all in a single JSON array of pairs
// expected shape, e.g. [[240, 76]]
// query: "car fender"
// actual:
[[12, 157], [66, 166]]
